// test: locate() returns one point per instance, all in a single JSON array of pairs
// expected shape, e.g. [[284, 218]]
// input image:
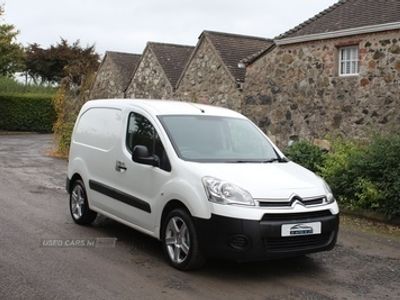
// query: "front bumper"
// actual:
[[250, 240], [68, 185]]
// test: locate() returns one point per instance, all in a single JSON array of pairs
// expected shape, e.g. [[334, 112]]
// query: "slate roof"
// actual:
[[125, 62], [252, 58], [346, 14], [172, 58], [232, 48]]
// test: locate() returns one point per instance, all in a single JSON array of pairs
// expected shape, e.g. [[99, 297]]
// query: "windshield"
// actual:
[[217, 139]]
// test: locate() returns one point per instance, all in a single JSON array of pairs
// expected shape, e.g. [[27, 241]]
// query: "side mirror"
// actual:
[[141, 155]]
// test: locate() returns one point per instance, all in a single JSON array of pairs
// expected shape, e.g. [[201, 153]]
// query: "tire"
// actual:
[[180, 242], [79, 206]]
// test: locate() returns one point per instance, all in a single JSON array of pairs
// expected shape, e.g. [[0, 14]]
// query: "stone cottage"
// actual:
[[212, 74], [158, 71], [113, 75], [338, 73]]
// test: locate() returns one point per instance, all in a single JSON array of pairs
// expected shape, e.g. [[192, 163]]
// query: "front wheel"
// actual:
[[180, 242], [79, 205]]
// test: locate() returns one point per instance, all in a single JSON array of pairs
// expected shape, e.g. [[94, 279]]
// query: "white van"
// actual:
[[204, 180]]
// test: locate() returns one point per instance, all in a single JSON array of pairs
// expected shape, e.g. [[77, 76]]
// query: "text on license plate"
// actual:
[[301, 229]]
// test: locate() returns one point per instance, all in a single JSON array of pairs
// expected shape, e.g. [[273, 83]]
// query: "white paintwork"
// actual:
[[157, 187]]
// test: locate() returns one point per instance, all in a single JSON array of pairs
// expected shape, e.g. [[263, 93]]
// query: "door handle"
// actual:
[[120, 166]]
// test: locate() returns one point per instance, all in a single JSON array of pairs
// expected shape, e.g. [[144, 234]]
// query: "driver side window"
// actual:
[[141, 132]]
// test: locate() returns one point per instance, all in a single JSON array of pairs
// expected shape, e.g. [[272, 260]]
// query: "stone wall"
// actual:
[[295, 90], [108, 82], [206, 80], [149, 81]]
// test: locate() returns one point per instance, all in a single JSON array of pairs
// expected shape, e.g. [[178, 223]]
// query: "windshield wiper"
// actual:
[[276, 159]]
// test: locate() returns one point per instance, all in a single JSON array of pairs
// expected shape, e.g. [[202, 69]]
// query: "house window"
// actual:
[[348, 61]]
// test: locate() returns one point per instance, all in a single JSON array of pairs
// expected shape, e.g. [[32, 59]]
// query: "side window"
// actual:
[[141, 132]]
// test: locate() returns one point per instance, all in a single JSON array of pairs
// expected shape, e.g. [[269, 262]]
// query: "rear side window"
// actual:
[[99, 128], [141, 132]]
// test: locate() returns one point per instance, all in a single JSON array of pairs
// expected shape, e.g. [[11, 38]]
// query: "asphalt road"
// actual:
[[34, 207]]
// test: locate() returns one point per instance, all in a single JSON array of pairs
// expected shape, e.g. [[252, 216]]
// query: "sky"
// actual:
[[127, 25]]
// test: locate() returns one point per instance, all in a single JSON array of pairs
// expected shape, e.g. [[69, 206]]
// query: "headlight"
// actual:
[[329, 195], [223, 192]]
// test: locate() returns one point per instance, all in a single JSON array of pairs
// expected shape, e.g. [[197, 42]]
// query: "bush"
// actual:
[[67, 103], [307, 155], [362, 176], [380, 167], [338, 169], [64, 122], [63, 136], [27, 112]]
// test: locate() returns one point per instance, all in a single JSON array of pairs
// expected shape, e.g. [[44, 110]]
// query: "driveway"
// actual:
[[34, 210]]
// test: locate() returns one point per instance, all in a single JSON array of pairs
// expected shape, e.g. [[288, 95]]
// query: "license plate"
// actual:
[[301, 229]]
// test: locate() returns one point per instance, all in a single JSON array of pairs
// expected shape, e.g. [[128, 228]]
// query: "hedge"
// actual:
[[26, 112], [363, 176]]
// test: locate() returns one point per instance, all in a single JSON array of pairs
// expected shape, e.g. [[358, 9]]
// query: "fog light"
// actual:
[[239, 242]]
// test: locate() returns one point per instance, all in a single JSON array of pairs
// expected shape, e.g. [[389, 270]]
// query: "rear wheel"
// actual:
[[180, 242], [79, 206]]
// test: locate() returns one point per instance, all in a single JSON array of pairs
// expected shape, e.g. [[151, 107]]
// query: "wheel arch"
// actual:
[[74, 177], [169, 206]]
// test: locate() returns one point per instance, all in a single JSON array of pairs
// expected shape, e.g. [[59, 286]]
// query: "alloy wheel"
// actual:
[[177, 239], [77, 202]]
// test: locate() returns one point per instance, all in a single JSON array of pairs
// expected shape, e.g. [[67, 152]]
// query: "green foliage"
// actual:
[[362, 176], [11, 53], [64, 133], [60, 61], [338, 171], [306, 154], [380, 164], [367, 194], [67, 103], [27, 112], [10, 86]]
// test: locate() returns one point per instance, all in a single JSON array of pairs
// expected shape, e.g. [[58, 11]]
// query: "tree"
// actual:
[[11, 53], [60, 61]]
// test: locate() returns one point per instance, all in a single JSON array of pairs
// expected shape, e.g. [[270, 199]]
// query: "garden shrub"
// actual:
[[26, 112], [380, 165], [64, 122], [366, 176], [307, 155], [67, 103], [338, 169], [363, 176]]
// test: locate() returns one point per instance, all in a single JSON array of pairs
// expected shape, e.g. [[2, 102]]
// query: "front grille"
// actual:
[[305, 202], [297, 243], [315, 201], [274, 204], [296, 216]]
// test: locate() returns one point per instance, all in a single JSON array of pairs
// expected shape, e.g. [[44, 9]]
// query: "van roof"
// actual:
[[165, 107]]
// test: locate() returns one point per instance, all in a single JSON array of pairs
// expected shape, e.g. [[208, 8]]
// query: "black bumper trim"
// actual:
[[251, 240], [68, 185]]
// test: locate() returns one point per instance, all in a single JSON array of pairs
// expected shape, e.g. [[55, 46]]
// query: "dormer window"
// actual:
[[348, 61]]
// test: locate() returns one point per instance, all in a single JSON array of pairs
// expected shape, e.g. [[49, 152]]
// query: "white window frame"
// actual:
[[349, 60]]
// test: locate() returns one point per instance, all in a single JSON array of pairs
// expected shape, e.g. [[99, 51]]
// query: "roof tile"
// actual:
[[346, 14], [125, 62], [234, 47], [172, 58]]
